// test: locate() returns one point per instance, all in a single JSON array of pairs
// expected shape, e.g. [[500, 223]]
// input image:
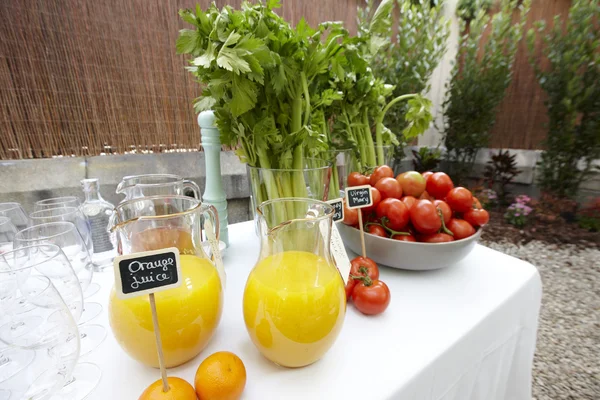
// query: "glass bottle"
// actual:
[[294, 300], [98, 212]]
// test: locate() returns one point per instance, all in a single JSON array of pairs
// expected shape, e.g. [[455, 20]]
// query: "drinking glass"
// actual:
[[65, 201], [15, 212], [7, 234], [66, 236], [49, 261], [47, 329], [69, 214]]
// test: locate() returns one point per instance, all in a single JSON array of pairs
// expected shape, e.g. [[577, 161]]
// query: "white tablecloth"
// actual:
[[466, 332]]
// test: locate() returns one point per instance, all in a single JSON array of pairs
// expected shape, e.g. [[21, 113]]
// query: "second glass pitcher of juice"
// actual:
[[136, 186], [188, 315], [294, 301]]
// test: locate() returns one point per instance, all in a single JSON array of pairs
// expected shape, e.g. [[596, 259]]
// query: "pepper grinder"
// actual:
[[213, 189]]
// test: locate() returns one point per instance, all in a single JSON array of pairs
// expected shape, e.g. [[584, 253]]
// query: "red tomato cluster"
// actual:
[[417, 208], [370, 295]]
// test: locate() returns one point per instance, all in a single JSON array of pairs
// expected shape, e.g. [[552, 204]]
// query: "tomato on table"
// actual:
[[394, 211], [350, 287], [476, 203], [364, 262], [477, 216], [426, 196], [460, 228], [379, 173], [424, 217], [357, 179], [438, 185], [427, 175], [371, 297], [460, 199]]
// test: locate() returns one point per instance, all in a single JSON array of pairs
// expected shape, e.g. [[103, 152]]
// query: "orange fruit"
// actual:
[[179, 390], [221, 376]]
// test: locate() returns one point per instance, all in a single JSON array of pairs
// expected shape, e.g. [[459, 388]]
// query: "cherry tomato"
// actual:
[[426, 196], [404, 238], [408, 201], [477, 217], [476, 203], [446, 210], [424, 217], [436, 238], [412, 182], [381, 172], [376, 196], [460, 199], [460, 228], [350, 215], [371, 298], [377, 230], [396, 213], [357, 263], [357, 179], [427, 174], [439, 184], [389, 188], [350, 287]]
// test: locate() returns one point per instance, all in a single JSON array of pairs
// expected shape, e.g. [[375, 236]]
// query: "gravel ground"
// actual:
[[567, 359]]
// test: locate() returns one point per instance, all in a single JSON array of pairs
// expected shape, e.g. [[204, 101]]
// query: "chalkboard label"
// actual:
[[147, 272], [338, 209], [359, 196]]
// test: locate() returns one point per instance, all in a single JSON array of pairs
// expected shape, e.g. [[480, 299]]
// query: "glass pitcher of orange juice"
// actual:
[[188, 315], [294, 301]]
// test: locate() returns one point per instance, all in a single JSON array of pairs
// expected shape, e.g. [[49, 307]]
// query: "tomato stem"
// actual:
[[365, 279], [444, 229], [390, 230]]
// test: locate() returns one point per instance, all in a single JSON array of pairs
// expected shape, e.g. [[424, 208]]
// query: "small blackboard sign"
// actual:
[[338, 209], [359, 196], [147, 272]]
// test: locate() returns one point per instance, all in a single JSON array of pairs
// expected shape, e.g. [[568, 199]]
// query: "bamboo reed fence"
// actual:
[[86, 77]]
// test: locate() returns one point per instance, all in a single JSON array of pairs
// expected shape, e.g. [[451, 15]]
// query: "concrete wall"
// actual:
[[27, 181]]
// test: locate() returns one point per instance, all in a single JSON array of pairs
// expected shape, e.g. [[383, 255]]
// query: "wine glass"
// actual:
[[55, 202], [7, 234], [49, 261], [69, 214], [47, 329], [66, 236], [15, 212]]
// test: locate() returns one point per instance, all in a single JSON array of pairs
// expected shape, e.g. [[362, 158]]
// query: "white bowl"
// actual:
[[408, 255]]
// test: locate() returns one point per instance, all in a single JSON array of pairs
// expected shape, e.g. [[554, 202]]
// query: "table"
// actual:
[[465, 332]]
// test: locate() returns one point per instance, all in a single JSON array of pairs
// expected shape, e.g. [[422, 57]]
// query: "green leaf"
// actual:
[[204, 103], [244, 94], [188, 16], [229, 59], [207, 58], [186, 42]]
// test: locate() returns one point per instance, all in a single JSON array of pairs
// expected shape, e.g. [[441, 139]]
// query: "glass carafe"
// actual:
[[188, 315], [294, 301], [136, 186]]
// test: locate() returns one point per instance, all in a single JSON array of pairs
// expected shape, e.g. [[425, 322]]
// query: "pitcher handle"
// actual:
[[193, 187], [212, 211]]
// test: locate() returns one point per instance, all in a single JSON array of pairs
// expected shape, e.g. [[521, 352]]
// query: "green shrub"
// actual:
[[426, 159], [500, 171], [569, 73], [468, 9], [478, 83]]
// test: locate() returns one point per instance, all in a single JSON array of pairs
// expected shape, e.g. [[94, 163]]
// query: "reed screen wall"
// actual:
[[83, 77]]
